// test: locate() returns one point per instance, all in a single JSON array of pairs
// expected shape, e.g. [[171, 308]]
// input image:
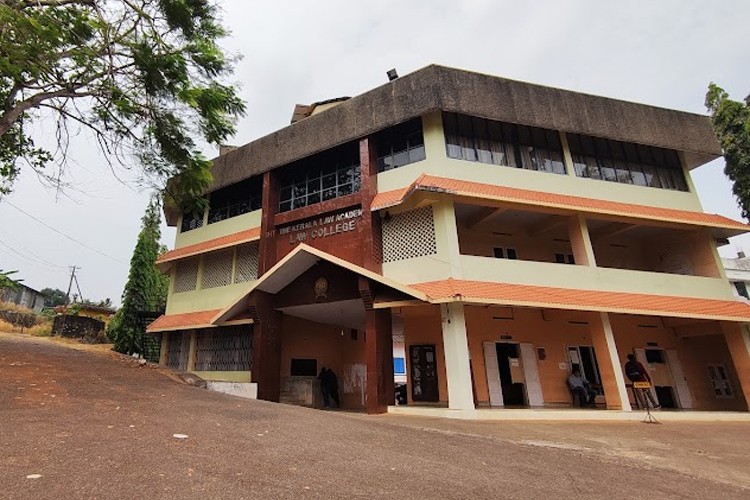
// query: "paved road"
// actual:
[[95, 425]]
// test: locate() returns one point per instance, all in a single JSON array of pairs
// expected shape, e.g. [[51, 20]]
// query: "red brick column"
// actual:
[[266, 369], [270, 205], [370, 230], [378, 357]]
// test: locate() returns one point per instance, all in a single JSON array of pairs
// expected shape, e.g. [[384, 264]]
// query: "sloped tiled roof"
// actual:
[[585, 300], [552, 200], [208, 245], [184, 321]]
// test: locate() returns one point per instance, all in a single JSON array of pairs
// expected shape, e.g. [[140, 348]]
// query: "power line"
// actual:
[[34, 257], [65, 235]]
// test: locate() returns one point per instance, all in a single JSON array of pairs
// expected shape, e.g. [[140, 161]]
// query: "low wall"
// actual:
[[18, 318], [79, 327]]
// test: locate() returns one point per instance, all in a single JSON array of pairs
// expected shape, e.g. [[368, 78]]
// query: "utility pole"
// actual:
[[70, 283]]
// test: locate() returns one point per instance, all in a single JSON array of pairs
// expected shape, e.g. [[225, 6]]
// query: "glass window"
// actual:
[[492, 142], [191, 221], [321, 177], [400, 145], [237, 199], [626, 163]]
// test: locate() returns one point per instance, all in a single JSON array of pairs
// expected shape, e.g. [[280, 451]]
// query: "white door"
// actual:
[[531, 374], [678, 376], [493, 374]]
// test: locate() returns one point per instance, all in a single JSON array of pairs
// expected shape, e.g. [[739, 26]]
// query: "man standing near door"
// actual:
[[636, 372]]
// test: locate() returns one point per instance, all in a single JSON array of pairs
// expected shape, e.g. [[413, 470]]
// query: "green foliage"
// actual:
[[731, 122], [54, 297], [146, 288], [6, 282], [143, 75]]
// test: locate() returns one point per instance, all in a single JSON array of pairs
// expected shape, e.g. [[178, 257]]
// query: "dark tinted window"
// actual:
[[400, 145], [236, 199]]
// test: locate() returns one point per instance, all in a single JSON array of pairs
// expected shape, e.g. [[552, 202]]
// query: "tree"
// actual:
[[731, 122], [144, 76], [6, 282], [54, 297], [146, 288]]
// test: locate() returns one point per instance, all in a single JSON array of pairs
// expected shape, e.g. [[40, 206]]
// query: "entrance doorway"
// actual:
[[508, 365], [669, 385], [424, 382], [583, 358]]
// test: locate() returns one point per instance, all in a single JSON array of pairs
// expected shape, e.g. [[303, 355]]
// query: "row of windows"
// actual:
[[322, 177], [336, 172], [488, 141], [628, 163], [220, 268]]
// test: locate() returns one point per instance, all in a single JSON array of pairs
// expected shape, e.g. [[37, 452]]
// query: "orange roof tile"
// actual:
[[184, 321], [592, 300], [214, 244], [526, 196]]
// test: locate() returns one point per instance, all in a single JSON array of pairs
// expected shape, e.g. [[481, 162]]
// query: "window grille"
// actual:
[[224, 349], [237, 199], [178, 350], [626, 163], [246, 266], [487, 141], [408, 235], [322, 177], [217, 268], [191, 221], [186, 275]]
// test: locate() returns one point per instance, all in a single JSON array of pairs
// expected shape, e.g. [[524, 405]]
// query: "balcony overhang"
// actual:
[[507, 294], [165, 260], [721, 227]]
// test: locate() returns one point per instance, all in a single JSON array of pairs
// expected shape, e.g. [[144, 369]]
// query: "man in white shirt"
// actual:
[[582, 388]]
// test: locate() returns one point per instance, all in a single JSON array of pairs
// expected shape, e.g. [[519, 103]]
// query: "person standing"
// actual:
[[636, 372], [325, 389]]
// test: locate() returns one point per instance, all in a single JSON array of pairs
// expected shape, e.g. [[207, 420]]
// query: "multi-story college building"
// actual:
[[497, 234]]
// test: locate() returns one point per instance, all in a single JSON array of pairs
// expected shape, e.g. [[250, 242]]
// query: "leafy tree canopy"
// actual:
[[731, 122], [146, 288], [54, 297], [6, 282], [145, 76]]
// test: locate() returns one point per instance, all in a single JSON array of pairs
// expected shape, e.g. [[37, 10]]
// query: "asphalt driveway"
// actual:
[[92, 424]]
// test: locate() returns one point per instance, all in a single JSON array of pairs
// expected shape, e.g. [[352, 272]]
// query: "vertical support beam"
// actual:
[[270, 206], [580, 241], [379, 360], [609, 363], [191, 351], [164, 349], [446, 232], [370, 229], [567, 156], [266, 357], [434, 137], [738, 342], [456, 348]]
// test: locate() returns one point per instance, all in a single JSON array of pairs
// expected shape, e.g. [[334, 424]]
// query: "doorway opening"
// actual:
[[424, 382], [583, 358], [511, 374]]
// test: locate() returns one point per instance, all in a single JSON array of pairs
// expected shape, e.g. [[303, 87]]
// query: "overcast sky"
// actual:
[[662, 53]]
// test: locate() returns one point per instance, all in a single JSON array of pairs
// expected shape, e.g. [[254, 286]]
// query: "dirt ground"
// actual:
[[81, 422]]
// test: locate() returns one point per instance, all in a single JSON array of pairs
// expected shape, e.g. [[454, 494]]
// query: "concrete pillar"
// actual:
[[609, 363], [738, 341], [379, 360], [567, 157], [446, 232], [191, 351], [580, 241], [434, 138], [456, 348]]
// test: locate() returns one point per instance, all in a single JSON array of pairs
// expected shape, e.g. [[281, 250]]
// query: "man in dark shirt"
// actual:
[[636, 372]]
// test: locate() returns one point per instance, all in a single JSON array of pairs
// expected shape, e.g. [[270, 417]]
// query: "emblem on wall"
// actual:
[[321, 289]]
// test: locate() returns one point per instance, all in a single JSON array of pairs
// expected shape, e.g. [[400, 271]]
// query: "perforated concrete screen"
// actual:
[[186, 275], [408, 235], [217, 268], [246, 267]]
